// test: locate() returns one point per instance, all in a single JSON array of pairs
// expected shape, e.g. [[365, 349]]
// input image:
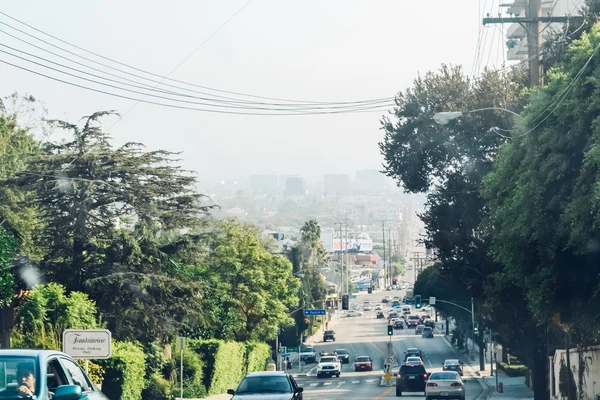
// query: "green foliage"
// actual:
[[257, 356], [157, 388], [124, 372], [95, 371], [513, 370], [192, 373], [47, 311], [224, 363], [251, 290], [8, 245]]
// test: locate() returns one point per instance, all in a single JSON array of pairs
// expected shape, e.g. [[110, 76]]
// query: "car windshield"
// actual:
[[309, 349], [412, 350], [329, 332], [342, 351], [413, 359], [328, 359], [264, 384], [413, 317], [452, 362], [15, 372], [362, 359], [442, 376]]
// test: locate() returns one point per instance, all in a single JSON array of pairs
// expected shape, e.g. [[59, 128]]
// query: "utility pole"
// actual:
[[390, 267], [347, 263], [384, 259], [341, 263], [531, 23]]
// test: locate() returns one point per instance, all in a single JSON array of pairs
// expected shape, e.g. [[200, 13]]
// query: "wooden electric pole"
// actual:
[[532, 25]]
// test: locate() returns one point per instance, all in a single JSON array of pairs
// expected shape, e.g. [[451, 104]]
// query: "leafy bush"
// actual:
[[223, 363], [193, 385], [124, 372], [257, 356], [513, 370], [157, 388], [95, 371]]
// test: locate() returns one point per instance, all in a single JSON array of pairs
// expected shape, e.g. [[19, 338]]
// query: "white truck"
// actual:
[[329, 365], [308, 354]]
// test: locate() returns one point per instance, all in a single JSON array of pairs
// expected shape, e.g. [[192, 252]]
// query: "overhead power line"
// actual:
[[164, 78]]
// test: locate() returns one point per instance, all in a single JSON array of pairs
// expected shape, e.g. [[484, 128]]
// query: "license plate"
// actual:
[[444, 394], [412, 377]]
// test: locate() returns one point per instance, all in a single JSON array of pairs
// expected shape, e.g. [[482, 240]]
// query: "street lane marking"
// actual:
[[370, 380], [355, 381], [327, 383], [313, 384]]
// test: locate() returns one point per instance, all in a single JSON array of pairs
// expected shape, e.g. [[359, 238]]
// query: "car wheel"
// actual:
[[428, 397], [398, 392]]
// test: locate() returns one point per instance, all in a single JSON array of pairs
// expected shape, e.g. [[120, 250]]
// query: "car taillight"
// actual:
[[425, 375], [399, 376], [431, 384], [456, 384]]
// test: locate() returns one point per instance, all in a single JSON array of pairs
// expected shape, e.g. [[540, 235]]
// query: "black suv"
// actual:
[[343, 356], [411, 378], [328, 335]]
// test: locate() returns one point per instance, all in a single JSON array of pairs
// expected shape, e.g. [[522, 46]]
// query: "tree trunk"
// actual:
[[539, 373]]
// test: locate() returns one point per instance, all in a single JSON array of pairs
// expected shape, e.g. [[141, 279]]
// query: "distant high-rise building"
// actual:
[[370, 180], [294, 186], [336, 184], [268, 184]]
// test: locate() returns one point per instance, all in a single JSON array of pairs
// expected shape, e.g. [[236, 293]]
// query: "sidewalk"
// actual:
[[514, 388]]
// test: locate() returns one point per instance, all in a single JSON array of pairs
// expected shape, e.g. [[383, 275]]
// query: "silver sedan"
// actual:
[[444, 385]]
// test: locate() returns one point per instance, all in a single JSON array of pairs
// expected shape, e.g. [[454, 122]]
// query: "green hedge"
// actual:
[[124, 372], [257, 356], [513, 370], [224, 364]]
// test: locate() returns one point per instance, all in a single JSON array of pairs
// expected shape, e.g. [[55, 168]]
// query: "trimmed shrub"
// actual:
[[223, 363], [513, 370], [157, 388], [257, 356], [124, 372], [193, 385]]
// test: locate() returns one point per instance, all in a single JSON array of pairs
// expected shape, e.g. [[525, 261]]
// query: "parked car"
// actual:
[[328, 335], [59, 377], [427, 332], [267, 384], [411, 378], [453, 365], [447, 384], [343, 355], [363, 363]]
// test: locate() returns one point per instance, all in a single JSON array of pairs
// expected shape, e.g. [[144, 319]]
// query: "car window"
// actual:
[[412, 369], [55, 376], [342, 351], [264, 384], [443, 376], [452, 362], [363, 359], [328, 359], [76, 374], [294, 384]]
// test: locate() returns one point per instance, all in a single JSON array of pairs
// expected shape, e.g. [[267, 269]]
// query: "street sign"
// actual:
[[432, 301], [388, 376], [292, 349], [314, 312], [88, 344], [181, 342]]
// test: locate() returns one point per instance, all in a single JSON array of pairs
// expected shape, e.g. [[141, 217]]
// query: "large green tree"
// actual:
[[115, 218], [249, 290]]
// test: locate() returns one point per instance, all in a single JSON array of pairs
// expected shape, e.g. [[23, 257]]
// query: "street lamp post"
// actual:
[[443, 118]]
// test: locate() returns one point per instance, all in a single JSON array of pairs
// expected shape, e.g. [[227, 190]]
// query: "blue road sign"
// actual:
[[284, 355], [314, 312]]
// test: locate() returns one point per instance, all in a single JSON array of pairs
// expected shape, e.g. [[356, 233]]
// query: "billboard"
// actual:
[[362, 244]]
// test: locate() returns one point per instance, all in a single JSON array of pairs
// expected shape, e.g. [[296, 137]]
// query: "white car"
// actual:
[[354, 313], [329, 365], [447, 384], [378, 307]]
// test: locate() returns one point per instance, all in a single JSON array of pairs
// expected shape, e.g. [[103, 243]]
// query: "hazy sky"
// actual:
[[319, 50]]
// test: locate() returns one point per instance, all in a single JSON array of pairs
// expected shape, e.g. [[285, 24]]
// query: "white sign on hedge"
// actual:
[[87, 343]]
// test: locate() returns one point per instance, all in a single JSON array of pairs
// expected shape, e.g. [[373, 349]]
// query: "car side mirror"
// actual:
[[67, 392], [299, 390], [231, 392]]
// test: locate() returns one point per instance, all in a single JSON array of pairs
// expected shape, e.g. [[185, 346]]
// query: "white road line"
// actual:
[[313, 384], [370, 380], [355, 381], [327, 384]]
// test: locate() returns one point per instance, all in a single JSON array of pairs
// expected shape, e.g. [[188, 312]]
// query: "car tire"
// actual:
[[398, 392]]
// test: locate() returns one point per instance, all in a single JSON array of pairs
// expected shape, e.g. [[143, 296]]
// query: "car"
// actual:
[[353, 313], [419, 329], [378, 307], [445, 385], [413, 360], [363, 363], [266, 384], [399, 324], [308, 354], [411, 378], [329, 365], [412, 352], [328, 335], [430, 323], [412, 321], [453, 365], [427, 332], [385, 300], [380, 314], [343, 355], [57, 374]]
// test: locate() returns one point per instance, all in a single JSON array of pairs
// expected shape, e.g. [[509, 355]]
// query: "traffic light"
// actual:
[[418, 301], [345, 302], [390, 330]]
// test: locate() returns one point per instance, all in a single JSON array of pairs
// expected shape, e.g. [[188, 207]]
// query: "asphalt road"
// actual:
[[367, 336]]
